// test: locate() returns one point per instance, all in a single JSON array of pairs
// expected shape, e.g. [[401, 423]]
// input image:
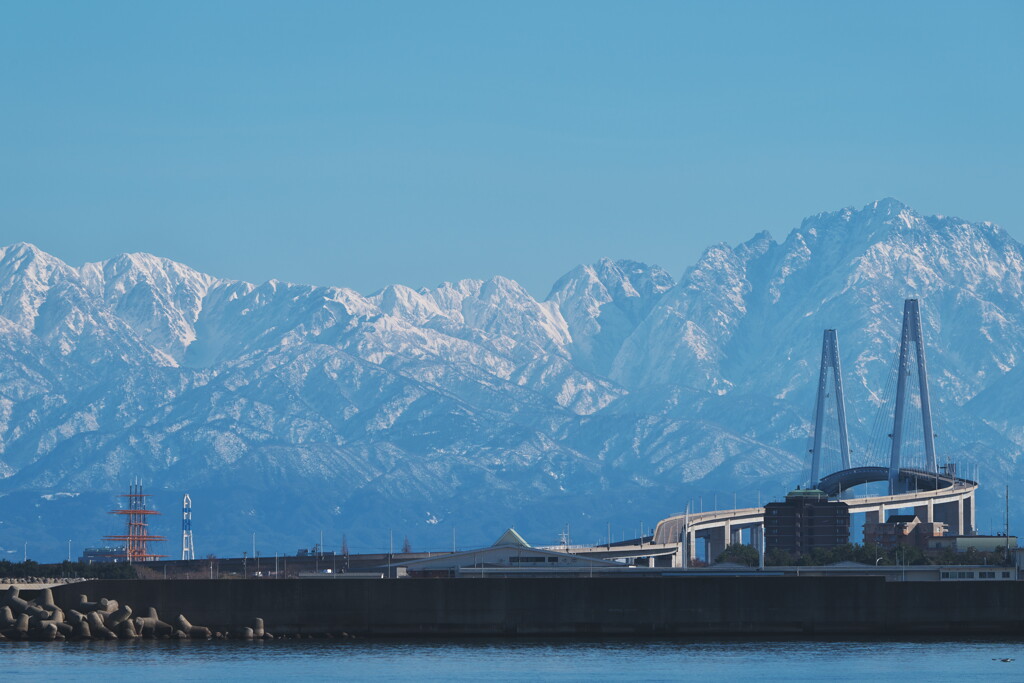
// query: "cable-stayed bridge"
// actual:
[[935, 493]]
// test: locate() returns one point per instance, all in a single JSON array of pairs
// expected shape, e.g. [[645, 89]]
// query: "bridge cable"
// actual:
[[876, 454], [854, 421], [832, 446], [808, 459]]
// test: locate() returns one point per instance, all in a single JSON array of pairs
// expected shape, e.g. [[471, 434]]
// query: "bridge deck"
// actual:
[[935, 489]]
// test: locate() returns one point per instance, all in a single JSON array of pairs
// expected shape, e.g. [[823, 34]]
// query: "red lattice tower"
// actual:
[[137, 537]]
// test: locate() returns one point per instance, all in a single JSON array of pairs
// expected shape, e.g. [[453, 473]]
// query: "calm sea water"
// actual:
[[512, 660]]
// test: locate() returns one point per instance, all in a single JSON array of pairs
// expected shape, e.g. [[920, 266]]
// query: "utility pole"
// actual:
[[686, 537]]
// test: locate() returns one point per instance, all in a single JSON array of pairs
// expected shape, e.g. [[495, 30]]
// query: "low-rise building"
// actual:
[[902, 530], [102, 555], [509, 552], [982, 544]]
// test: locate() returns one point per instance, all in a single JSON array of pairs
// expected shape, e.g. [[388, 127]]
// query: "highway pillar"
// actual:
[[926, 513], [969, 514], [717, 540], [875, 516], [960, 515], [684, 550], [952, 515], [757, 536]]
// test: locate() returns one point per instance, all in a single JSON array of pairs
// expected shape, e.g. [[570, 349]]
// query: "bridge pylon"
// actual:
[[829, 361], [911, 335]]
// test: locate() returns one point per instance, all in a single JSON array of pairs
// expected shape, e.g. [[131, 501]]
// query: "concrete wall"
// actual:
[[670, 605]]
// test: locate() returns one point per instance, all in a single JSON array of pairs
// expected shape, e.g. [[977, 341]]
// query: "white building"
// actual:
[[509, 552]]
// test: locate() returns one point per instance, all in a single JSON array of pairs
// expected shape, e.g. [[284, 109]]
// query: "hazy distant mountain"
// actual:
[[285, 409]]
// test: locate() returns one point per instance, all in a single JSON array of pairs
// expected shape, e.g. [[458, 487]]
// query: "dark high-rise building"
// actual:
[[805, 521]]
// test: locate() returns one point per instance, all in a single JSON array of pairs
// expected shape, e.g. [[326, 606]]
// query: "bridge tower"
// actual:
[[911, 335], [188, 552], [829, 361]]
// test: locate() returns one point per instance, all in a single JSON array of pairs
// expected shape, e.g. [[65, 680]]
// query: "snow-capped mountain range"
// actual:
[[287, 409]]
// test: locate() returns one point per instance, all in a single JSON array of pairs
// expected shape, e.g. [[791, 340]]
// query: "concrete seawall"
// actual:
[[709, 605]]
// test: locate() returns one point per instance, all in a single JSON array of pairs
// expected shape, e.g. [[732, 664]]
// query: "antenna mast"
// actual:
[[188, 551], [136, 538]]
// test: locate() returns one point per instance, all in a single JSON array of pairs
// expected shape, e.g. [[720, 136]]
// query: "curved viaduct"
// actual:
[[934, 498]]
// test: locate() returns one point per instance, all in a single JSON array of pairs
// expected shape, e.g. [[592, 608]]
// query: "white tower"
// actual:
[[188, 551]]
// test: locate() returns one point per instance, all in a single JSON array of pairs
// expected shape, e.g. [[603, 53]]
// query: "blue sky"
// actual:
[[367, 143]]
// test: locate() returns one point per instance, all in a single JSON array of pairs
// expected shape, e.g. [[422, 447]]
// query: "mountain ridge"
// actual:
[[623, 393]]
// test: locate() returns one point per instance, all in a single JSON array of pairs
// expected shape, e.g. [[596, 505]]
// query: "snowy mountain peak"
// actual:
[[473, 401], [603, 303], [889, 206]]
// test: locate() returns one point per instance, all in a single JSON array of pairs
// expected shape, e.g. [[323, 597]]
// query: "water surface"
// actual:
[[519, 659]]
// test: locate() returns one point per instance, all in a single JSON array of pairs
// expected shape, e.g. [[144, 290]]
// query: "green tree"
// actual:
[[740, 554], [778, 558]]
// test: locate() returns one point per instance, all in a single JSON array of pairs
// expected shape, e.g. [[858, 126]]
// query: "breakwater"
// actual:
[[38, 617], [705, 605]]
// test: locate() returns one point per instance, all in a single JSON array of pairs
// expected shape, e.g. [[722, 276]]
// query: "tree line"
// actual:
[[66, 570]]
